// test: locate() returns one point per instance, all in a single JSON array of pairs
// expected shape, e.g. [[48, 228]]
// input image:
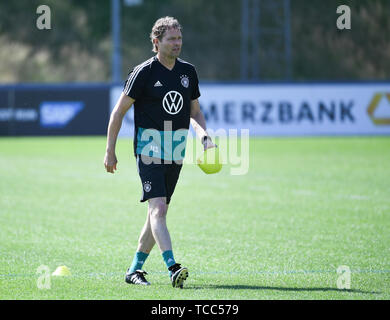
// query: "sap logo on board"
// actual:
[[59, 113]]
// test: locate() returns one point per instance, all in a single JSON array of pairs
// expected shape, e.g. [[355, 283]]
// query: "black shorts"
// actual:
[[158, 179]]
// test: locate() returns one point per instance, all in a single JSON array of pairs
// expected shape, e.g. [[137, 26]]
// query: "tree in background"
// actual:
[[78, 48]]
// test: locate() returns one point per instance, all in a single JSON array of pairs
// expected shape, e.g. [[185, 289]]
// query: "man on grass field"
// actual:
[[165, 92]]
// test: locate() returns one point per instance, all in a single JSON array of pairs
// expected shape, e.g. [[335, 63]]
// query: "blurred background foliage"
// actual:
[[78, 47]]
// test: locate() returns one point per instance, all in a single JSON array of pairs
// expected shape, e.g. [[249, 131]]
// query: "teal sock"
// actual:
[[138, 261], [168, 258]]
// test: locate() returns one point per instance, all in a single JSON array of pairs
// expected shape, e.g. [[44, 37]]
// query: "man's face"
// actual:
[[170, 44]]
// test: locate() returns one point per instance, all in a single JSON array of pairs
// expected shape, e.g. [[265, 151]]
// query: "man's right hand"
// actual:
[[110, 162], [122, 106]]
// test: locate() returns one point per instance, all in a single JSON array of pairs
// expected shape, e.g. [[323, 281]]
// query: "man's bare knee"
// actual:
[[158, 208]]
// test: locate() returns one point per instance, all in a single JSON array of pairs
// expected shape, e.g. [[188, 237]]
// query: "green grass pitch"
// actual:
[[306, 207]]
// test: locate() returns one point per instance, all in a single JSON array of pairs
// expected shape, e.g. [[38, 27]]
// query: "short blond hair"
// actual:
[[160, 27]]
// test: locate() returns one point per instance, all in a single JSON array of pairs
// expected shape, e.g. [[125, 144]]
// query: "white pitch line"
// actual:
[[282, 272]]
